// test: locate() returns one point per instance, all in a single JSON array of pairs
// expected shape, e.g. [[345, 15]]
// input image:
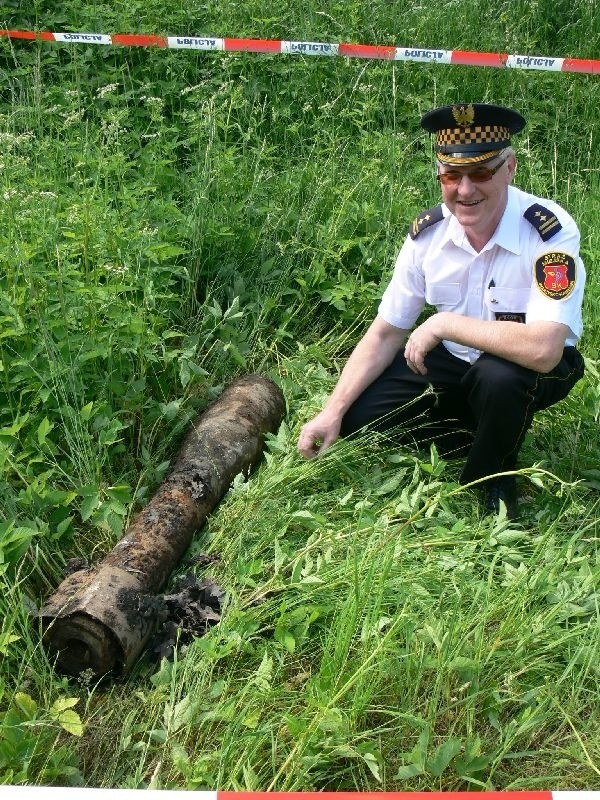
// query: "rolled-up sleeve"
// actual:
[[404, 297]]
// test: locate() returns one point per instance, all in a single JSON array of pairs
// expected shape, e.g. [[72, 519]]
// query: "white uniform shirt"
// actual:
[[517, 275]]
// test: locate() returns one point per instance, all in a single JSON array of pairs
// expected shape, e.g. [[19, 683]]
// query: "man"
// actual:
[[502, 269]]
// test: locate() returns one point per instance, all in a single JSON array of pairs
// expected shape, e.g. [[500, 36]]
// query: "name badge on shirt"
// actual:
[[510, 316]]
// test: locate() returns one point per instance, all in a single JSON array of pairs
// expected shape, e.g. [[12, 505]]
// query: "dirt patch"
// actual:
[[206, 559], [138, 606], [178, 618], [75, 565], [187, 614]]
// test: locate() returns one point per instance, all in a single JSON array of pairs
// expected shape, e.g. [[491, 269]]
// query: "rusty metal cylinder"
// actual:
[[100, 619]]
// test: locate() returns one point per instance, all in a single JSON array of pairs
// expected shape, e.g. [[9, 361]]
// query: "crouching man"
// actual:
[[502, 269]]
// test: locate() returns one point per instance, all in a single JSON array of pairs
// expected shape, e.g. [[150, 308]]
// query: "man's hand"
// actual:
[[420, 342], [374, 353], [318, 434]]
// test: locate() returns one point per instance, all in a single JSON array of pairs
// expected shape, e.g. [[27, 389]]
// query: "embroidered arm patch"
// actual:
[[555, 275], [543, 220], [425, 220]]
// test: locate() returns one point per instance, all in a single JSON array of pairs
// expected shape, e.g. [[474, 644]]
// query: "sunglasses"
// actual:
[[478, 175]]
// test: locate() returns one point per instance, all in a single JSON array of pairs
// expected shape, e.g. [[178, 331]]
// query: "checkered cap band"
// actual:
[[476, 134]]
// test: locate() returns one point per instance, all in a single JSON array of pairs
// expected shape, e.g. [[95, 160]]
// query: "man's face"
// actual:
[[478, 206]]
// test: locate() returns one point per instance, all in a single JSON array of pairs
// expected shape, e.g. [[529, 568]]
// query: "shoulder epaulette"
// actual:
[[543, 220], [424, 220]]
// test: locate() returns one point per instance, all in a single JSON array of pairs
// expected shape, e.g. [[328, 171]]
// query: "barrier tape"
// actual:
[[387, 52], [59, 793]]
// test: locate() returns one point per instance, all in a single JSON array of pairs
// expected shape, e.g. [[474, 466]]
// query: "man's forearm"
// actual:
[[371, 356], [537, 346]]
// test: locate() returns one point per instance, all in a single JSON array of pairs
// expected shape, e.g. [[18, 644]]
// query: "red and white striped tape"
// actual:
[[59, 793], [388, 52]]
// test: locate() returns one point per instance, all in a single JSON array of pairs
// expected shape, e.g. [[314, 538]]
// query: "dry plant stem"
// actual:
[[100, 618]]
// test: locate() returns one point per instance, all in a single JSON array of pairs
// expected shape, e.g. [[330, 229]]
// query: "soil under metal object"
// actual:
[[101, 618]]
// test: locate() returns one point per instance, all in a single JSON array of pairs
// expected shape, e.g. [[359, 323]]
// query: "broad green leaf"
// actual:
[[284, 636], [170, 410], [442, 756], [390, 485], [252, 719], [181, 713], [86, 412], [312, 580], [71, 722], [26, 704], [373, 764], [7, 639], [88, 506], [239, 359], [409, 771], [307, 519], [418, 754], [180, 756], [43, 430], [63, 703]]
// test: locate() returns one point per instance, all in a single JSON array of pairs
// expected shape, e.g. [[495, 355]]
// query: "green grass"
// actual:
[[171, 220]]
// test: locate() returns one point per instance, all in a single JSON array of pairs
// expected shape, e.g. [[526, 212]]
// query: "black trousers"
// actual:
[[481, 410]]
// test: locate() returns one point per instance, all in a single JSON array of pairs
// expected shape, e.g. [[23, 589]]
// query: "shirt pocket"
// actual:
[[443, 295], [499, 298]]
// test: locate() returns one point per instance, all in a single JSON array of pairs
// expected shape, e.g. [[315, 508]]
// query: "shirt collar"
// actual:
[[506, 234]]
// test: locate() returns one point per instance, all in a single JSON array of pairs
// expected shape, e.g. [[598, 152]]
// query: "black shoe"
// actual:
[[505, 489]]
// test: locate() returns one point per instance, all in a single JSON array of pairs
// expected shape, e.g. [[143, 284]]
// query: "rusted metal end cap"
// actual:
[[79, 643], [98, 620]]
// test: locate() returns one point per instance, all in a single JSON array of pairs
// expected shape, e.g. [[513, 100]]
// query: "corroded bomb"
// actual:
[[100, 619]]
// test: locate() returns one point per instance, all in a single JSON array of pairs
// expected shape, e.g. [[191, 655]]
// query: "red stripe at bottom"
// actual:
[[384, 795]]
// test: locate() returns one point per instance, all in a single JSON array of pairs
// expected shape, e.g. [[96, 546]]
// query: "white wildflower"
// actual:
[[73, 116], [116, 269], [188, 89], [11, 139], [103, 90]]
